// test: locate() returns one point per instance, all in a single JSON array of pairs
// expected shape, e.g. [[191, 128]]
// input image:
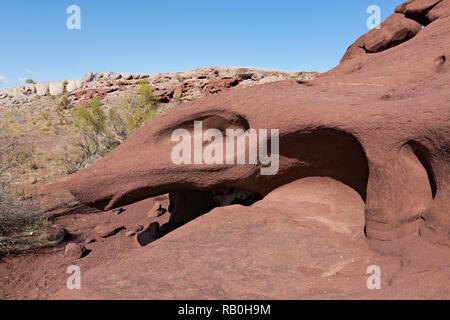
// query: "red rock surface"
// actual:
[[363, 181], [303, 241], [378, 122], [395, 30]]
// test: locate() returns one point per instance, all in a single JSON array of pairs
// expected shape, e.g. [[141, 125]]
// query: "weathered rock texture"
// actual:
[[302, 241], [378, 122]]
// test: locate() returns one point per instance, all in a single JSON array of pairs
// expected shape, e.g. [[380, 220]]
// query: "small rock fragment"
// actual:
[[107, 231], [118, 211], [135, 230], [89, 240], [74, 251], [157, 210], [149, 235], [89, 77]]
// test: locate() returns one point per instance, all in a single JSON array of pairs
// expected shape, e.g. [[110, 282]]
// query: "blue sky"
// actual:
[[149, 36]]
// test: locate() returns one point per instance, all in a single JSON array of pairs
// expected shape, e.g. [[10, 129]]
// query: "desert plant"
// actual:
[[17, 214], [98, 137], [13, 154], [63, 105], [141, 108], [29, 81], [102, 132]]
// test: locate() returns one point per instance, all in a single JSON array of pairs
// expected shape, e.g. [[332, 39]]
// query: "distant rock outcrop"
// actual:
[[178, 86]]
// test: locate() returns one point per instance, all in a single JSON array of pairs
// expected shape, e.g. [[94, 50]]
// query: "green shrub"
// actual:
[[140, 109], [102, 132]]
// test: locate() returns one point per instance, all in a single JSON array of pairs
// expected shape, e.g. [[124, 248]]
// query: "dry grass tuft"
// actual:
[[23, 225]]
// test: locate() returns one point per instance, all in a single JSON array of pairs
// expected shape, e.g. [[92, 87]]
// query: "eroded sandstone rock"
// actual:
[[379, 123], [395, 30]]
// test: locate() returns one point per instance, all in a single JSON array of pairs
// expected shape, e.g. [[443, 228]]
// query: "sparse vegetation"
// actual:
[[3, 295], [17, 215], [29, 81], [63, 105], [13, 154], [101, 132], [307, 73], [45, 115], [180, 78]]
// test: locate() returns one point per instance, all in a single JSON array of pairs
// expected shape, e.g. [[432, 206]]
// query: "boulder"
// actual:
[[126, 76], [244, 74], [417, 10], [56, 88], [73, 85], [156, 211], [106, 231], [29, 89], [217, 85], [42, 89], [178, 91], [74, 251], [89, 77], [148, 235], [115, 76]]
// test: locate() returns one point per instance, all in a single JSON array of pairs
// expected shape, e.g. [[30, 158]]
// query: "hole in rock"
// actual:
[[188, 205], [439, 63], [424, 156], [421, 16], [323, 152]]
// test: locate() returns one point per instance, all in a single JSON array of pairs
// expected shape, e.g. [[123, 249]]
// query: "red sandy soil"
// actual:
[[39, 274]]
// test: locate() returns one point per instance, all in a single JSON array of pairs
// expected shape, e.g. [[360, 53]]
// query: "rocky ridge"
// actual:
[[180, 85]]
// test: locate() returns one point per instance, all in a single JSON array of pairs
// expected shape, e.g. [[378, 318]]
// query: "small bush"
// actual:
[[29, 81], [102, 132], [17, 215], [13, 154], [140, 109]]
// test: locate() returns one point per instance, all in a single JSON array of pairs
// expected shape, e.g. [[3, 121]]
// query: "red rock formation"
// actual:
[[302, 241], [395, 30], [379, 122]]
